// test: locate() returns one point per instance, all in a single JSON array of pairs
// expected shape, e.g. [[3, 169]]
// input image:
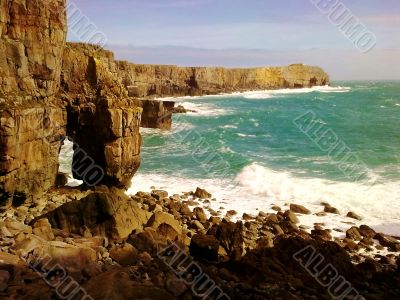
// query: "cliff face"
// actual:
[[102, 120], [32, 38], [163, 81]]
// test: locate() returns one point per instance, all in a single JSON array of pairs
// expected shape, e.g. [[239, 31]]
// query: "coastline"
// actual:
[[92, 241], [143, 250]]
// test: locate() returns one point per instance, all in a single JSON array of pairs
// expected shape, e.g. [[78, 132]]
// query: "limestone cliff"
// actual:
[[101, 118], [32, 38], [164, 81]]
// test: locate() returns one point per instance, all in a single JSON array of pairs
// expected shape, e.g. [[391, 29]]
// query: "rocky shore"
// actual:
[[94, 241], [113, 247]]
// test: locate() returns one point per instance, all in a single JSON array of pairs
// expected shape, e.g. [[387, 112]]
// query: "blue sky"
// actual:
[[247, 33]]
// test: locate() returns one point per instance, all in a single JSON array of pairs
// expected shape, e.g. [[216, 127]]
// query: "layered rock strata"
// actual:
[[32, 39], [166, 81], [102, 119]]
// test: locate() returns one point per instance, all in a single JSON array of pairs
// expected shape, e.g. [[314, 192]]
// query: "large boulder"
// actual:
[[204, 247], [117, 285], [112, 214]]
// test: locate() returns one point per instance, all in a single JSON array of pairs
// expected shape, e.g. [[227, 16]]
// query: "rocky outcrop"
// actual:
[[112, 215], [32, 118], [165, 81], [32, 41], [102, 120]]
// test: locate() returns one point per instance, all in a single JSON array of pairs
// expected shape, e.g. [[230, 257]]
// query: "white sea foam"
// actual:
[[265, 94], [229, 127], [256, 188], [204, 109], [246, 135]]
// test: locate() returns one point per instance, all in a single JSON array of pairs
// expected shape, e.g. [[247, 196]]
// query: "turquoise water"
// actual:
[[259, 128], [257, 149]]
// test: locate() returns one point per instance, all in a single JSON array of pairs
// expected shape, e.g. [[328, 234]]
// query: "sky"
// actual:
[[246, 33]]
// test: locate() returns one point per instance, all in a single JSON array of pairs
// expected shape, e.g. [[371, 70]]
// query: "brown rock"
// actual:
[[205, 247], [112, 215], [117, 285], [331, 210], [278, 230], [160, 218], [299, 209], [73, 258], [200, 215], [276, 208], [367, 231], [388, 241], [247, 217], [231, 213], [61, 179], [322, 234], [290, 216], [353, 234], [15, 227], [195, 224], [350, 245], [354, 216], [42, 229], [230, 236], [175, 285], [159, 194], [265, 242], [203, 194], [126, 255], [4, 278], [32, 119]]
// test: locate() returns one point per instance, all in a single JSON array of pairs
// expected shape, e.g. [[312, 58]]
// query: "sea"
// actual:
[[337, 144]]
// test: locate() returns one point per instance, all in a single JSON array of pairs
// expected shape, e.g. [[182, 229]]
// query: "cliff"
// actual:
[[164, 81], [32, 39]]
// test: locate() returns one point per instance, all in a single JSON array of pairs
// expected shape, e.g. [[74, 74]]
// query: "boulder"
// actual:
[[14, 227], [353, 215], [322, 234], [159, 194], [204, 247], [290, 216], [265, 242], [117, 285], [230, 237], [353, 234], [125, 255], [200, 214], [160, 218], [367, 231], [42, 229], [201, 193], [299, 209], [388, 241], [44, 255], [113, 215], [332, 210], [175, 285]]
